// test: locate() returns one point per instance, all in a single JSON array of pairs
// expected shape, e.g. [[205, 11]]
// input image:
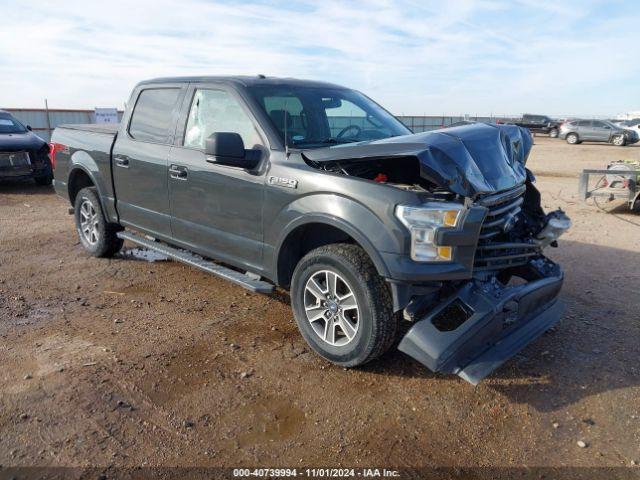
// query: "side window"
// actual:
[[218, 111], [152, 115], [597, 124]]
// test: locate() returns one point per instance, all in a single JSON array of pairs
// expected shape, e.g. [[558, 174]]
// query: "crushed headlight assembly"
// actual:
[[423, 222]]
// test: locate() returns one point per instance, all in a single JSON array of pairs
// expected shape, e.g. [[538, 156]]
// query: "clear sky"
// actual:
[[573, 57]]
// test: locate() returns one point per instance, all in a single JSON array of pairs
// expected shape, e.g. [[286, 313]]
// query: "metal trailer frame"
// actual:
[[631, 194]]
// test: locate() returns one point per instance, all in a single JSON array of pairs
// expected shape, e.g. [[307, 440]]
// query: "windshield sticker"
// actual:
[[297, 138]]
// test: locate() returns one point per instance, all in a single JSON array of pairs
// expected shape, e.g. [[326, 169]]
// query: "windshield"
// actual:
[[10, 125], [315, 117]]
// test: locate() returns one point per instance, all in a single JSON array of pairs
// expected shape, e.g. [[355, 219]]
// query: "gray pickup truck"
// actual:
[[432, 242]]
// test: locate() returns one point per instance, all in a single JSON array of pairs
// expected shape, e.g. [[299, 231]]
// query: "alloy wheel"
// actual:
[[331, 308], [89, 222]]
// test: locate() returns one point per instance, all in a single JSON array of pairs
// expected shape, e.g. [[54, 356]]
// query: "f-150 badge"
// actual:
[[283, 182]]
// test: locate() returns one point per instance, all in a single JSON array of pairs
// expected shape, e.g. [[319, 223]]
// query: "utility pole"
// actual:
[[46, 107]]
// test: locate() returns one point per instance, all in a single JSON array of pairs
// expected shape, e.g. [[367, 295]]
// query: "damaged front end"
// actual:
[[471, 327], [499, 292]]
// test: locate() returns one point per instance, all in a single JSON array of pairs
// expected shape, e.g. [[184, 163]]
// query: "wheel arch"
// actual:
[[315, 231], [79, 178]]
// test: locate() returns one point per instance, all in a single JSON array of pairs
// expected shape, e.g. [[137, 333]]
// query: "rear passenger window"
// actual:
[[153, 114]]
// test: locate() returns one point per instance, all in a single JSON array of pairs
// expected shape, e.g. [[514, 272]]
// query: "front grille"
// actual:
[[14, 159], [496, 249]]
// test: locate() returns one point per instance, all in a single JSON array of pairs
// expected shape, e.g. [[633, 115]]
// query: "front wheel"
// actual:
[[553, 133], [572, 139], [97, 235], [342, 306], [619, 140]]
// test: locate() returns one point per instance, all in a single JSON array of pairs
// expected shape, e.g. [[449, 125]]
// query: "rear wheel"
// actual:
[[44, 179], [553, 133], [97, 235], [343, 308], [572, 139]]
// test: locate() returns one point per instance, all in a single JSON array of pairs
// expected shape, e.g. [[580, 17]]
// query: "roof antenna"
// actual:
[[286, 138]]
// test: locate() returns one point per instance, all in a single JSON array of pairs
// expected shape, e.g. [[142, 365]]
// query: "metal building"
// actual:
[[43, 121]]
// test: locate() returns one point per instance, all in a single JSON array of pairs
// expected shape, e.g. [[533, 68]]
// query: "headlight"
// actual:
[[423, 222]]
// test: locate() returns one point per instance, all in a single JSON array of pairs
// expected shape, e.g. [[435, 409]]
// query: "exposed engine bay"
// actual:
[[515, 219], [403, 172], [479, 166]]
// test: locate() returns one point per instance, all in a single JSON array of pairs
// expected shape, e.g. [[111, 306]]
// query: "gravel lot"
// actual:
[[127, 362]]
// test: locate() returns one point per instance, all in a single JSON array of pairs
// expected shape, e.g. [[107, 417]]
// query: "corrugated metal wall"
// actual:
[[37, 118]]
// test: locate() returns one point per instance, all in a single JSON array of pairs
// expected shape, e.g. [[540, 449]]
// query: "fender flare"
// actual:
[[82, 166], [336, 222]]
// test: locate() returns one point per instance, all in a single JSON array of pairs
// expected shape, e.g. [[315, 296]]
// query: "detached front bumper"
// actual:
[[484, 323]]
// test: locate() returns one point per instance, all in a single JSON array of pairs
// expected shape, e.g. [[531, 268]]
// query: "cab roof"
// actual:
[[244, 81]]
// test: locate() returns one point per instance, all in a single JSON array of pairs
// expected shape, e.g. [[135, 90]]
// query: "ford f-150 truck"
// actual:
[[377, 233]]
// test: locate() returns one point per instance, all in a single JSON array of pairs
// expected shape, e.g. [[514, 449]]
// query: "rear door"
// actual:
[[216, 210], [140, 157], [586, 130]]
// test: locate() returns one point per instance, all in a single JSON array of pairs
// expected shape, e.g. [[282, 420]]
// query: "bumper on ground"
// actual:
[[484, 323]]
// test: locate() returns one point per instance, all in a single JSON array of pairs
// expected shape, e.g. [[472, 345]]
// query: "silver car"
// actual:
[[578, 131]]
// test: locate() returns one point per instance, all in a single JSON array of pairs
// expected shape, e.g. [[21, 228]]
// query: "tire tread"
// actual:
[[385, 324], [109, 244]]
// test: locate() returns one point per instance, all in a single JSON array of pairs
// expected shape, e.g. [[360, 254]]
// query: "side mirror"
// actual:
[[227, 148], [29, 128]]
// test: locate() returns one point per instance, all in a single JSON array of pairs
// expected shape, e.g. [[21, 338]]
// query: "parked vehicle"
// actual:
[[461, 123], [22, 153], [629, 125], [539, 124], [578, 131], [317, 189]]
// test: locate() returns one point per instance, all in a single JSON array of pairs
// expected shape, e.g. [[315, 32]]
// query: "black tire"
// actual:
[[377, 325], [44, 180], [106, 242], [553, 133], [572, 139]]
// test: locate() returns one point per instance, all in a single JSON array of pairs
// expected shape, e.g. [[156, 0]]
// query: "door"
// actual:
[[140, 158], [601, 131], [586, 130], [216, 210]]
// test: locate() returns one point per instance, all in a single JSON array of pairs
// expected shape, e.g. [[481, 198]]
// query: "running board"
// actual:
[[255, 285]]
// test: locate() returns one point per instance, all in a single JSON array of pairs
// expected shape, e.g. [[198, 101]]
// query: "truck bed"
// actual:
[[87, 146]]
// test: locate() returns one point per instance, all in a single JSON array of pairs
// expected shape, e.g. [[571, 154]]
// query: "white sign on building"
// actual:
[[106, 115]]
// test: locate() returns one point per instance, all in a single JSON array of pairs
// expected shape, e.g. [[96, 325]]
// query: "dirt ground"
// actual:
[[126, 362]]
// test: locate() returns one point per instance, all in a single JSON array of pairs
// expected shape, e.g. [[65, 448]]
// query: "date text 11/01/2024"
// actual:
[[316, 472]]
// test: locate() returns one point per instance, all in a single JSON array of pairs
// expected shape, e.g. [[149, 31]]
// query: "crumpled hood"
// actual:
[[473, 159], [11, 142]]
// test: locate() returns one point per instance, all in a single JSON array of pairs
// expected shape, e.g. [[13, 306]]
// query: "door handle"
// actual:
[[178, 172], [122, 161]]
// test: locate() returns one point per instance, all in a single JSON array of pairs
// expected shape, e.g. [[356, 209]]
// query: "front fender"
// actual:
[[372, 233]]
